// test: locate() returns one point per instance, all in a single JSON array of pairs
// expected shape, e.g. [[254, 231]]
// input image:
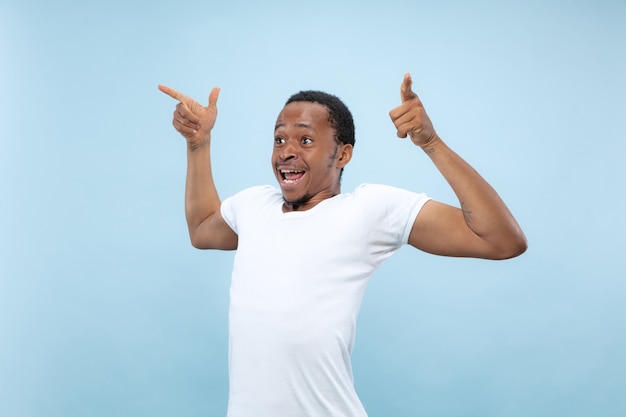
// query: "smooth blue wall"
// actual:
[[105, 308]]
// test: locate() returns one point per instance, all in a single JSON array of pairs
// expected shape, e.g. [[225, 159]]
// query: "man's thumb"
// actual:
[[405, 89], [213, 97]]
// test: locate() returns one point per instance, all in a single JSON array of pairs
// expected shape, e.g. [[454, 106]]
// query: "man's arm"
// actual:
[[483, 227], [207, 228]]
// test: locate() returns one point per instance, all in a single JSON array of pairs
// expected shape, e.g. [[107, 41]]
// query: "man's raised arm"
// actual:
[[207, 228], [483, 227]]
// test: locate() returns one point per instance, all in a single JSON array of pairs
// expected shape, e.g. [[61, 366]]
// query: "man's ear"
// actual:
[[344, 155]]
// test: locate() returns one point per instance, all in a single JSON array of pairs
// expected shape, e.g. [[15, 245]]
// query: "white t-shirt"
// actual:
[[297, 284]]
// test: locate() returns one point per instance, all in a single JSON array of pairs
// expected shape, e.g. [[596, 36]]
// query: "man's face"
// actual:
[[307, 159]]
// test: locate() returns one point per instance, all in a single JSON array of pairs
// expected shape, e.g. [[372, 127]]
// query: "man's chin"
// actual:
[[295, 203]]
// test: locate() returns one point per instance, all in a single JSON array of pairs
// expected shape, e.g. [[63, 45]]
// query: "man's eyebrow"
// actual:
[[302, 125]]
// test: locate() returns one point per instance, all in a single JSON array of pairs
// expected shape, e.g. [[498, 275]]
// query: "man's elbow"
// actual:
[[514, 247], [199, 240], [214, 241], [197, 243]]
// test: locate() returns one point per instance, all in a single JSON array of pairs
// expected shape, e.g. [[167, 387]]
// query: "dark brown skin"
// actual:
[[307, 162]]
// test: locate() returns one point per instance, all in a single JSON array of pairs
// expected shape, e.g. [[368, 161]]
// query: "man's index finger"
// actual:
[[176, 95]]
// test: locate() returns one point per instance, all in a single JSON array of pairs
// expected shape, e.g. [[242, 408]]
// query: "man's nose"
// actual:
[[288, 151]]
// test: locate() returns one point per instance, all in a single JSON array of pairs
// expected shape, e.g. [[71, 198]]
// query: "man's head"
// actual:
[[313, 142]]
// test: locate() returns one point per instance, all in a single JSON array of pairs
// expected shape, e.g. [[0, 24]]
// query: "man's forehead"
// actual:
[[303, 113]]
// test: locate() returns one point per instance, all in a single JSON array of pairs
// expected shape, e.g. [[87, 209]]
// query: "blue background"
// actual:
[[106, 309]]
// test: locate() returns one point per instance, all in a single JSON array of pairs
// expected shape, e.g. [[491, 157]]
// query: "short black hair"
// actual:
[[340, 117]]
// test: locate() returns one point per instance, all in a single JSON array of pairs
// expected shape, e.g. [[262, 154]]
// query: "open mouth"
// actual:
[[291, 176]]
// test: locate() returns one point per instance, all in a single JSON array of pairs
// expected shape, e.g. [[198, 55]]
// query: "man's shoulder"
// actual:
[[369, 189], [371, 186], [382, 195], [255, 196], [257, 191], [249, 202]]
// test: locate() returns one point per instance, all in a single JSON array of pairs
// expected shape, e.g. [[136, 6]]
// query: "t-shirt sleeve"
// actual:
[[242, 205], [389, 214], [228, 212]]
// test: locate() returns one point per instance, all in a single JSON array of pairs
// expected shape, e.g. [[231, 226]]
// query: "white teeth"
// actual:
[[290, 171]]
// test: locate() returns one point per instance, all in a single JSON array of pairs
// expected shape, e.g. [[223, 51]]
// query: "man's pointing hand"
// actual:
[[410, 117], [191, 119]]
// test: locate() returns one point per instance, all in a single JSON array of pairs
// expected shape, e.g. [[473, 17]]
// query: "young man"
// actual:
[[306, 252]]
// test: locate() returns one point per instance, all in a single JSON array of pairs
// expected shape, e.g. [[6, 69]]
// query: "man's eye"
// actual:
[[279, 141], [307, 141]]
